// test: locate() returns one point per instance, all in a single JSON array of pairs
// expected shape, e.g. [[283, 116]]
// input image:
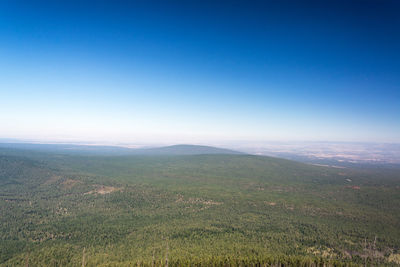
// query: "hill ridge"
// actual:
[[178, 149]]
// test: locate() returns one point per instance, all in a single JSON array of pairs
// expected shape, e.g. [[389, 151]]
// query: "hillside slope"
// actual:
[[200, 209]]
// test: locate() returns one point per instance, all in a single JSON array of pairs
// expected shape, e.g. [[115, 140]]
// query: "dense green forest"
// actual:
[[59, 209]]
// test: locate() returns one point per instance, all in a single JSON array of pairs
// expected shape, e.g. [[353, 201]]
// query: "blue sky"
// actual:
[[200, 71]]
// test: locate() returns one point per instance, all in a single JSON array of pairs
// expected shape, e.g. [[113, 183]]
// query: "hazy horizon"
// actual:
[[158, 142]]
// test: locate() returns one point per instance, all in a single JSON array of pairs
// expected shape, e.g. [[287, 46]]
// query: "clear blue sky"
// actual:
[[200, 70]]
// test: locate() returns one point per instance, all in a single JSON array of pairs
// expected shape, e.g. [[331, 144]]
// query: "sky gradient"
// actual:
[[198, 71]]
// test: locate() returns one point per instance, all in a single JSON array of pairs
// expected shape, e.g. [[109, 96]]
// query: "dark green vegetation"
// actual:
[[59, 209]]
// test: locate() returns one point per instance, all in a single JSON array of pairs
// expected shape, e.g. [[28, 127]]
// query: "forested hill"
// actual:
[[118, 150]]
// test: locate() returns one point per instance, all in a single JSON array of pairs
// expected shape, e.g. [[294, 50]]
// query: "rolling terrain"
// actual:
[[188, 205]]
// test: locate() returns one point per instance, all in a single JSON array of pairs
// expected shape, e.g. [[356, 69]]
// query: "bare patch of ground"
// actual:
[[394, 258], [102, 190], [198, 201]]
